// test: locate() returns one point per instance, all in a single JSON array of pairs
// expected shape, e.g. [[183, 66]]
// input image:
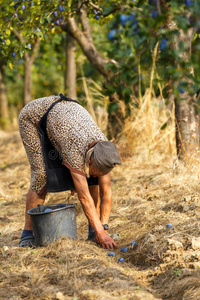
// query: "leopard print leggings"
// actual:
[[30, 137]]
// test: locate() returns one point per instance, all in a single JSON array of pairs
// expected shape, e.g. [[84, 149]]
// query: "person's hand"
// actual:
[[105, 241]]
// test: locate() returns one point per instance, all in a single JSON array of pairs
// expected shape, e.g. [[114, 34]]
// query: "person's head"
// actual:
[[103, 159]]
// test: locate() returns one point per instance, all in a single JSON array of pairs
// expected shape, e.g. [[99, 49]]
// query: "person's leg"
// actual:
[[105, 209], [33, 199], [106, 198], [33, 147]]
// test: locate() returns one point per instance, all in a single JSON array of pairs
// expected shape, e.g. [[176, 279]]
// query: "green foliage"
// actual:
[[125, 31], [42, 19], [177, 272], [31, 19], [135, 27], [4, 165], [47, 72]]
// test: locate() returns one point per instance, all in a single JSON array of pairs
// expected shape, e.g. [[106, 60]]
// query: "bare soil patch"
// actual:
[[147, 196]]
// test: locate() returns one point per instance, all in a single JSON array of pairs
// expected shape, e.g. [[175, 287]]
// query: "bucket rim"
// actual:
[[62, 207]]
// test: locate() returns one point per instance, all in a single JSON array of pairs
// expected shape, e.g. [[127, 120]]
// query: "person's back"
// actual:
[[72, 130]]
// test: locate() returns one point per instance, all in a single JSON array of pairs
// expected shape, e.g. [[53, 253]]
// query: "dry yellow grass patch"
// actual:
[[150, 190]]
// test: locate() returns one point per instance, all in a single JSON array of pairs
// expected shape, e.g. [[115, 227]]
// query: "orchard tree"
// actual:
[[24, 24], [84, 38], [29, 58], [3, 96], [31, 22], [134, 30], [70, 67]]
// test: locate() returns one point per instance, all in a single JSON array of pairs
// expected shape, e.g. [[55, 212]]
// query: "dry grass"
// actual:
[[150, 190], [149, 133], [150, 130]]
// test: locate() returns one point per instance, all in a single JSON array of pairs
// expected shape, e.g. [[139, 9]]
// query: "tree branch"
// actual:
[[85, 25], [35, 49], [33, 54], [18, 36], [87, 46], [21, 40], [95, 6]]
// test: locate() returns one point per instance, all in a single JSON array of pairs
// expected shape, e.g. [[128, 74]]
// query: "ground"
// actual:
[[147, 196]]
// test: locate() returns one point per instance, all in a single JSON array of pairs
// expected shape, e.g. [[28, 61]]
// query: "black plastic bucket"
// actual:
[[59, 221]]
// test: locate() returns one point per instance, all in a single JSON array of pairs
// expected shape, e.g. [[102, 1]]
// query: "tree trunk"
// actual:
[[70, 70], [28, 62], [187, 127], [3, 98], [85, 41], [27, 79], [115, 119], [186, 112]]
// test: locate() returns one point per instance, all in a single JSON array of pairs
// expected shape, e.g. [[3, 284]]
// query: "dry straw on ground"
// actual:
[[150, 190]]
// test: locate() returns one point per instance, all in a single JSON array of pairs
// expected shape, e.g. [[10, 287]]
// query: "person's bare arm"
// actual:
[[87, 203]]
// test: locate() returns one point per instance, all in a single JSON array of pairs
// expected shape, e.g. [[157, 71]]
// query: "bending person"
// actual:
[[67, 135]]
